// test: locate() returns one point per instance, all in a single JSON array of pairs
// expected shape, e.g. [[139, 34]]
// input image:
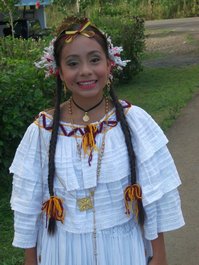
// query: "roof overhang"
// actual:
[[33, 2]]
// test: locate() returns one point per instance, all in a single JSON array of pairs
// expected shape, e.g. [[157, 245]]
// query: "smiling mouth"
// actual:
[[87, 84]]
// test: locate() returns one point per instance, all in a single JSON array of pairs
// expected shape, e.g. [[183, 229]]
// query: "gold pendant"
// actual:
[[86, 117], [85, 204]]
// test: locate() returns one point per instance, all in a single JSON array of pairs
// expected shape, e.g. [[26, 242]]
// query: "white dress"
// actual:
[[120, 240]]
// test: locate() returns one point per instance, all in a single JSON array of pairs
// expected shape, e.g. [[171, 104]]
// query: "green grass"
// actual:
[[152, 55], [162, 92], [8, 254], [190, 38]]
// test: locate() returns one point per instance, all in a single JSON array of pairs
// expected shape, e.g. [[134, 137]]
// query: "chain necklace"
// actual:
[[86, 117], [88, 202]]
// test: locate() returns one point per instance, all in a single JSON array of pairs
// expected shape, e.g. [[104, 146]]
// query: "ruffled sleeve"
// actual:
[[156, 173], [147, 135], [26, 199]]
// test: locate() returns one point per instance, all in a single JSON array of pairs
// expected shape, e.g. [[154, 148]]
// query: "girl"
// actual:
[[94, 183]]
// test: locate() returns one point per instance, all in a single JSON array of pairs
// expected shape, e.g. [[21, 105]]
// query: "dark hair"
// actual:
[[58, 46], [67, 25]]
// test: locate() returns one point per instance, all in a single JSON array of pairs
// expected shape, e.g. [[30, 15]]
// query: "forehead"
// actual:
[[82, 45]]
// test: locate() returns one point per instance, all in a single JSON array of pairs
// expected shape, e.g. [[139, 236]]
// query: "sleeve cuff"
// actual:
[[25, 240]]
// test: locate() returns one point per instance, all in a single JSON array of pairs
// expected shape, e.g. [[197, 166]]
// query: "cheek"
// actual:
[[103, 72], [69, 82], [67, 76]]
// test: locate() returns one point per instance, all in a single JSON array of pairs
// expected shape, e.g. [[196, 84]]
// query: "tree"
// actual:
[[8, 6]]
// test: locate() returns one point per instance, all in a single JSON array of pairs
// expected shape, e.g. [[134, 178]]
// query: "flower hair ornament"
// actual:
[[48, 63], [53, 207], [115, 56]]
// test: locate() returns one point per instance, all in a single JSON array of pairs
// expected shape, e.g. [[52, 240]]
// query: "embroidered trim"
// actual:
[[73, 132], [80, 131]]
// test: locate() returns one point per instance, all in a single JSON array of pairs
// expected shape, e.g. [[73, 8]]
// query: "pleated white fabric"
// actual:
[[119, 238], [117, 245]]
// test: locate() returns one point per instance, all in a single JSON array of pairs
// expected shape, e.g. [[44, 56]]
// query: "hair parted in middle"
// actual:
[[76, 25]]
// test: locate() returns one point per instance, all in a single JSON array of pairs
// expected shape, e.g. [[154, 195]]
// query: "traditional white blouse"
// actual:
[[156, 173]]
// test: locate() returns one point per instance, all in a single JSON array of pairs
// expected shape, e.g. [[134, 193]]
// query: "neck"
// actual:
[[86, 103], [89, 115]]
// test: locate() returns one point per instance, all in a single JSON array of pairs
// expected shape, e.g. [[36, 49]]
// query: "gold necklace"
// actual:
[[86, 117], [87, 202]]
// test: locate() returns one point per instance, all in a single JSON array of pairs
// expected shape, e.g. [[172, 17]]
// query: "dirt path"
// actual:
[[177, 41], [183, 245]]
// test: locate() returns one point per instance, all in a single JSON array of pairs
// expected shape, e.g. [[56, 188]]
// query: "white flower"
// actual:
[[115, 55], [48, 61]]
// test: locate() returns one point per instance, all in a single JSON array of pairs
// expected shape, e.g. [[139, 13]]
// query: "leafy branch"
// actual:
[[9, 7]]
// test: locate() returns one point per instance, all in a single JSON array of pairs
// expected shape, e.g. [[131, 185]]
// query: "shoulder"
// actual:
[[49, 111], [141, 122], [147, 136], [64, 116], [134, 112]]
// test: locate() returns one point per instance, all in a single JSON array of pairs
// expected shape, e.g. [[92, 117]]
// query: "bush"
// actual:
[[133, 41], [129, 33], [23, 93]]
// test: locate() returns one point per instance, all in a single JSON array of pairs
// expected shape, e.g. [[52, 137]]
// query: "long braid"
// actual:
[[125, 128], [52, 149]]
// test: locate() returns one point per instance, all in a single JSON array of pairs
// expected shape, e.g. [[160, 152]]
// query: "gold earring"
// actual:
[[108, 85], [65, 89]]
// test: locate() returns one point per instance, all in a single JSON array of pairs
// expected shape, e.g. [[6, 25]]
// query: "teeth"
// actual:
[[87, 83]]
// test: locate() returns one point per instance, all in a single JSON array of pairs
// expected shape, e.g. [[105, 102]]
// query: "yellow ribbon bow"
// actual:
[[132, 194], [54, 208], [88, 141], [72, 34]]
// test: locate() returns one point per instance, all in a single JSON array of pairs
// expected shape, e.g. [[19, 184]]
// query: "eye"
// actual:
[[72, 63], [95, 60]]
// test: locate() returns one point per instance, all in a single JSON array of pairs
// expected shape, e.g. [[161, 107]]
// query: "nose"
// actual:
[[85, 69]]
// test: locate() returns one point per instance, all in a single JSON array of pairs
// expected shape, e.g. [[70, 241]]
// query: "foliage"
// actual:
[[8, 6], [149, 9], [133, 41], [23, 92], [127, 32], [157, 91], [154, 9], [8, 254]]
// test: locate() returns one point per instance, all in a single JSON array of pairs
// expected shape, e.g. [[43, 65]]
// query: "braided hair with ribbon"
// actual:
[[67, 32]]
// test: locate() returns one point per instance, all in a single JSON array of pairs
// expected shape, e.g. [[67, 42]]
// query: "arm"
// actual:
[[26, 199], [159, 253], [30, 256]]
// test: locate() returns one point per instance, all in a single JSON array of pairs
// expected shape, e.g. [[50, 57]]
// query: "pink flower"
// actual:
[[37, 5]]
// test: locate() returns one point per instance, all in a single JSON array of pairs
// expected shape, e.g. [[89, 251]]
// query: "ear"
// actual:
[[61, 74], [108, 66]]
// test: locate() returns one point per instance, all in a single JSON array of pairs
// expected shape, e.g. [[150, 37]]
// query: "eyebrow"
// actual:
[[76, 56]]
